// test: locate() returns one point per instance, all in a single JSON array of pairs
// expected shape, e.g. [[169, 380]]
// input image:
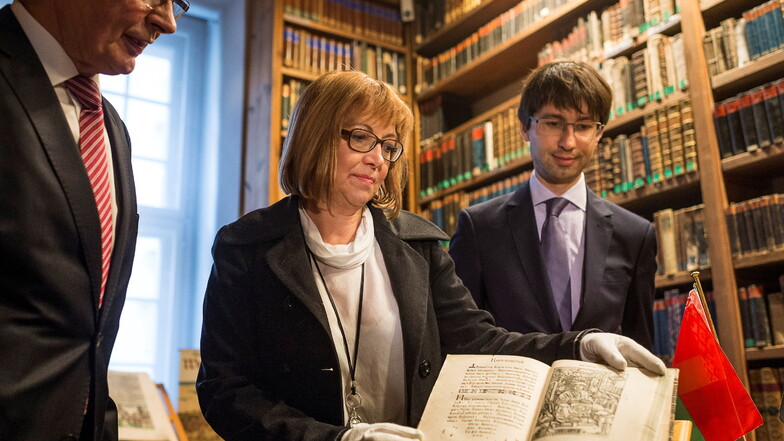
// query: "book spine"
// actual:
[[745, 311], [759, 316]]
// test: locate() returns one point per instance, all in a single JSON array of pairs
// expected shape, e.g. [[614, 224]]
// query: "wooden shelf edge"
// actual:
[[349, 35], [468, 22], [487, 58], [745, 160], [646, 191], [299, 74], [759, 259], [482, 117], [680, 278], [765, 353], [771, 61], [639, 113], [509, 168]]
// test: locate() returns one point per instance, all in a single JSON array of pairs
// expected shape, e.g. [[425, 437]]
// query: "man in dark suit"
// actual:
[[605, 277], [68, 219]]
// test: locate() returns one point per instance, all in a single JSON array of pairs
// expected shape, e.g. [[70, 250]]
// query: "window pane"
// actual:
[[151, 79], [149, 125], [146, 276], [114, 83], [118, 101], [137, 338], [150, 183]]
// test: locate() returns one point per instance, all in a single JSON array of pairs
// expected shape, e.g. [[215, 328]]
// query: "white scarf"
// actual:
[[340, 256]]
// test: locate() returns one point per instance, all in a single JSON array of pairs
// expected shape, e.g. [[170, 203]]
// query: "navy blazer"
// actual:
[[55, 343], [269, 367], [498, 256]]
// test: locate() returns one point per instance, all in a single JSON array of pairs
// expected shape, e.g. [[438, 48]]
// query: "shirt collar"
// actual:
[[58, 65], [577, 194]]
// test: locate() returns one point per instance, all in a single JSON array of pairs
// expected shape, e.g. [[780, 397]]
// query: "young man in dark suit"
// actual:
[[68, 218], [597, 270]]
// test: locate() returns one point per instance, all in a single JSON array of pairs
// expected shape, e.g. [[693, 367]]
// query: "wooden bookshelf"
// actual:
[[681, 278], [342, 33], [765, 161], [513, 167], [511, 60], [452, 33], [764, 258], [766, 353], [766, 68]]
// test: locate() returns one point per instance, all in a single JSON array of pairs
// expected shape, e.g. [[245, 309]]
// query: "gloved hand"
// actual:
[[616, 350], [382, 432]]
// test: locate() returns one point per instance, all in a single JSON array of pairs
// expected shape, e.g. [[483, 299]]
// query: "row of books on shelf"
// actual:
[[290, 93], [682, 239], [667, 315], [586, 41], [766, 385], [664, 147], [444, 211], [756, 226], [750, 120], [623, 22], [650, 74], [316, 54], [762, 315], [497, 31], [451, 159], [360, 17], [432, 15], [736, 41], [441, 114]]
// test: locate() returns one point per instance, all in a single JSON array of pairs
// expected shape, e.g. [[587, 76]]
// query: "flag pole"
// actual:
[[698, 286]]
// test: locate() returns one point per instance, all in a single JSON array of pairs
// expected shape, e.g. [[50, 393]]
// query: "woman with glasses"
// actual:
[[328, 314]]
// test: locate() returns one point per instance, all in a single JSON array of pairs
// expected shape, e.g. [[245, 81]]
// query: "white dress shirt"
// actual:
[[573, 220], [59, 68]]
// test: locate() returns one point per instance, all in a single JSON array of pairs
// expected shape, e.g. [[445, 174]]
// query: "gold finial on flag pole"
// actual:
[[698, 286]]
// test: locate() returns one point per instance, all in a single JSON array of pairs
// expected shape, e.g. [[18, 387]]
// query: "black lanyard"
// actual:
[[352, 366]]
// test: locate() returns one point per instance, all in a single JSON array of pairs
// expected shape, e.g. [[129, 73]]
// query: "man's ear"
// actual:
[[523, 132]]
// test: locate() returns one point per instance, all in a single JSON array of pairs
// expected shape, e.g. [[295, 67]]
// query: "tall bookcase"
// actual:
[[490, 83], [270, 23]]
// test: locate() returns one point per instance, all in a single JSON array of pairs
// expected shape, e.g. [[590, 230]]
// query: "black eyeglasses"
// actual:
[[363, 141], [556, 127], [179, 7]]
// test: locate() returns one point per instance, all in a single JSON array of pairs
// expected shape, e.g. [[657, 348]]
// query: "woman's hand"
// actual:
[[382, 432], [617, 350]]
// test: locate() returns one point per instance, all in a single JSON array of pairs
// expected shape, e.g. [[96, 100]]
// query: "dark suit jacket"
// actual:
[[269, 367], [54, 342], [497, 255]]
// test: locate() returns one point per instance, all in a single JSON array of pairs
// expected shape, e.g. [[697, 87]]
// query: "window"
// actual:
[[162, 103]]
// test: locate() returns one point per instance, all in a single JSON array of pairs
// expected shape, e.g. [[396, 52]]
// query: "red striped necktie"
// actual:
[[93, 147]]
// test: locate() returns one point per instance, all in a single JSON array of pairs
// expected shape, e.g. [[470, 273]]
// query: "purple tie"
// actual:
[[556, 258]]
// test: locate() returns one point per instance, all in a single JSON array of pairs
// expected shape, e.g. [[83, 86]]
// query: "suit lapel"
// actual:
[[290, 262], [125, 195], [598, 231], [520, 215], [21, 68], [408, 275]]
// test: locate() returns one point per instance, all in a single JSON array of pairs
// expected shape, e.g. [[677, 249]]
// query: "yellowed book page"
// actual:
[[140, 410], [588, 401], [484, 398]]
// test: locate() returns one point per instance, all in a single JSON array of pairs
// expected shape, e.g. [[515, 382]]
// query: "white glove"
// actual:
[[616, 350], [382, 432]]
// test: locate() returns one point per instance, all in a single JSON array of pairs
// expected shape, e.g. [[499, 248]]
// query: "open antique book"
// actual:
[[141, 408], [512, 398]]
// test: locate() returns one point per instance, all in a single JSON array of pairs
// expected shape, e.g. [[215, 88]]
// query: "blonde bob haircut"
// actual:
[[331, 103]]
